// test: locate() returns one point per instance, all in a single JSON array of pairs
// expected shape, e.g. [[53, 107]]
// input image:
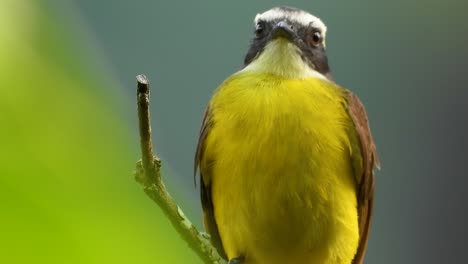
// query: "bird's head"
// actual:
[[289, 42]]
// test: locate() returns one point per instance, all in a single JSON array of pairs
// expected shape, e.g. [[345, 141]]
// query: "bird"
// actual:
[[285, 154]]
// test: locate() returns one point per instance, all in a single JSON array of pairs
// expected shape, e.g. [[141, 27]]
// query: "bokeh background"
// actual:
[[68, 130]]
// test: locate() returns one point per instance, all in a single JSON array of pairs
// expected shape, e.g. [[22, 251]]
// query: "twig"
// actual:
[[148, 174]]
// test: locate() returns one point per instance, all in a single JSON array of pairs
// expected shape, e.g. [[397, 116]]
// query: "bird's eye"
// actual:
[[316, 38], [259, 29]]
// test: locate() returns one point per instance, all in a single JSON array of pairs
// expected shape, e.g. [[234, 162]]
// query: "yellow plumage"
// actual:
[[283, 184]]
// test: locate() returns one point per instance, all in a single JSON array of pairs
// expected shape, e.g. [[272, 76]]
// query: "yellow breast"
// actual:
[[282, 182]]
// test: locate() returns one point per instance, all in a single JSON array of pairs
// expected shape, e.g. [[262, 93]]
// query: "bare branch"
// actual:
[[148, 174], [146, 145]]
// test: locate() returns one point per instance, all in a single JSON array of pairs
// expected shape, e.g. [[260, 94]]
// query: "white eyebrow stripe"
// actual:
[[300, 17]]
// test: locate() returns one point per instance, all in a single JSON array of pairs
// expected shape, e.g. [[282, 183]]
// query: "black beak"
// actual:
[[283, 30]]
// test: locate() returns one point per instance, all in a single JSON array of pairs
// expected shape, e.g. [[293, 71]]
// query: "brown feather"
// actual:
[[209, 220], [206, 124], [365, 181]]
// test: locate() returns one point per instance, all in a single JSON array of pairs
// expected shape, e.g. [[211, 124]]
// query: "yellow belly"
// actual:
[[282, 182]]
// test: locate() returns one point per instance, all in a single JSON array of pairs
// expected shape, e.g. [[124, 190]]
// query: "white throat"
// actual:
[[281, 57]]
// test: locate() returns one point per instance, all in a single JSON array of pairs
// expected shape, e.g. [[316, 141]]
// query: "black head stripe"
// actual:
[[314, 55]]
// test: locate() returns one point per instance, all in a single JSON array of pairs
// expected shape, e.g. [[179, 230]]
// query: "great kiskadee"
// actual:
[[285, 154]]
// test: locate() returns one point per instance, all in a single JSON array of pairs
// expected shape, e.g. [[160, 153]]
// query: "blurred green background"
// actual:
[[68, 130]]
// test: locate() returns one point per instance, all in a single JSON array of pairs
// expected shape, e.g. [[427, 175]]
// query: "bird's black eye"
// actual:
[[259, 28], [316, 38]]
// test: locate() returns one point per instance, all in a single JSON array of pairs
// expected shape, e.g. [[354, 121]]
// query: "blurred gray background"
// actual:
[[407, 60]]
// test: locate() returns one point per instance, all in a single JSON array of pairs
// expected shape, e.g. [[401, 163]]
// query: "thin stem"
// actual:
[[149, 175], [143, 93]]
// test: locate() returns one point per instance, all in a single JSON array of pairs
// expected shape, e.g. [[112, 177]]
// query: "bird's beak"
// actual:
[[283, 30]]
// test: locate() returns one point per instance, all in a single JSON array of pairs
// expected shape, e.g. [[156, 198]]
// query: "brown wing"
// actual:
[[209, 220], [364, 175]]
